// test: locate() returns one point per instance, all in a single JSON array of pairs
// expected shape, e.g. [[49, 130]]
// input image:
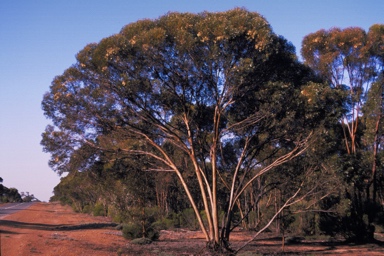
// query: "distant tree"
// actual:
[[1, 188], [11, 195], [214, 98], [8, 195], [27, 197]]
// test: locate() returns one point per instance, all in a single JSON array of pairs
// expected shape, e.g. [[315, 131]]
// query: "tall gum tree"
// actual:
[[352, 59], [373, 111], [221, 89]]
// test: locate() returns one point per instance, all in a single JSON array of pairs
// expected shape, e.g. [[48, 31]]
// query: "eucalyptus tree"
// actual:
[[374, 109], [214, 98], [373, 138], [352, 59]]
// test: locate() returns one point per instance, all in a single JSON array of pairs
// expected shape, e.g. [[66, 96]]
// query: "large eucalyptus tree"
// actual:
[[213, 96]]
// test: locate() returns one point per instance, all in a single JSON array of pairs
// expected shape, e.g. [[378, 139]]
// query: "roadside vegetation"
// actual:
[[12, 195]]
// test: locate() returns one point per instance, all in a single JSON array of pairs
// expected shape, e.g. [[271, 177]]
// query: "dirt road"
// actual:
[[55, 230], [44, 229]]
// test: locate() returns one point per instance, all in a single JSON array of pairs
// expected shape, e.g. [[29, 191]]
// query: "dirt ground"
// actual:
[[53, 229]]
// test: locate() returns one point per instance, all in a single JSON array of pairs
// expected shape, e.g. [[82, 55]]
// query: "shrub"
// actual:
[[152, 233], [134, 230], [163, 224], [117, 215], [87, 209], [99, 210], [188, 219]]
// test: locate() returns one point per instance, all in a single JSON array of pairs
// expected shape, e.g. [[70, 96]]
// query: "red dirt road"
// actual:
[[53, 229], [39, 230]]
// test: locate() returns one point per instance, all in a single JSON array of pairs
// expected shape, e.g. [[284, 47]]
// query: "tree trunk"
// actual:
[[374, 162]]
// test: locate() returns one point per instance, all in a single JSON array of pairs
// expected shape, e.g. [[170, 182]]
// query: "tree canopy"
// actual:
[[9, 195]]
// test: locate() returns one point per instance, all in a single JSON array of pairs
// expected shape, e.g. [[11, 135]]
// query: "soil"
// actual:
[[53, 229]]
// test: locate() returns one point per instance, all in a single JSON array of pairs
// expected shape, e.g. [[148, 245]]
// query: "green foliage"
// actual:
[[143, 223], [117, 215], [135, 230], [99, 210], [345, 220], [166, 223], [9, 195], [188, 219], [89, 209], [132, 231]]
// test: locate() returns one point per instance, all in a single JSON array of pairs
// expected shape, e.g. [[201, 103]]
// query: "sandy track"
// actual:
[[53, 229]]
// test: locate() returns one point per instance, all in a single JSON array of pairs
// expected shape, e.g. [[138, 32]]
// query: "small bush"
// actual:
[[132, 231], [188, 219], [99, 210], [75, 208], [87, 209], [119, 217], [173, 220], [164, 224], [152, 233]]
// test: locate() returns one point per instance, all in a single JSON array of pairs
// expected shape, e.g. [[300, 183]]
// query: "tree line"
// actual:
[[210, 120], [12, 195]]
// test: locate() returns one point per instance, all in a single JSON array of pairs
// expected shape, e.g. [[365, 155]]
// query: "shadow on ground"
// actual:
[[40, 226]]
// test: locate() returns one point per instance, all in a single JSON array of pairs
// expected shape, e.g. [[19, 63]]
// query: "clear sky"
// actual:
[[39, 40]]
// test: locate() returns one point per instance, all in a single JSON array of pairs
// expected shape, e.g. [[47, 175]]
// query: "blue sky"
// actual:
[[39, 40]]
